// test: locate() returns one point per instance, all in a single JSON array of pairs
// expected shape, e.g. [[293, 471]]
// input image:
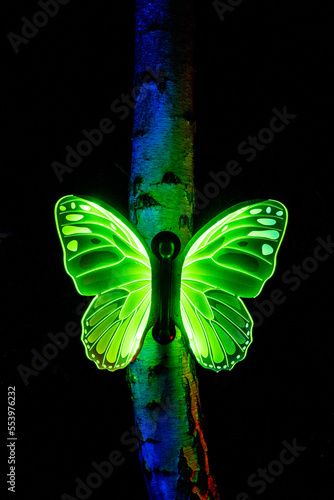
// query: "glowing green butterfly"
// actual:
[[231, 257]]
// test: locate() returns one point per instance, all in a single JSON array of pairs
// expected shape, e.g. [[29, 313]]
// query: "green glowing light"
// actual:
[[272, 235], [106, 258], [231, 257], [267, 249], [267, 222], [72, 246], [74, 217]]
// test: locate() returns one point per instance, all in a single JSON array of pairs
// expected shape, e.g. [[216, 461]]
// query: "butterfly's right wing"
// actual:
[[106, 257], [231, 257]]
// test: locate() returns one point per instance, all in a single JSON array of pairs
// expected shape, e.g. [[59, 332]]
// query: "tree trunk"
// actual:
[[162, 379]]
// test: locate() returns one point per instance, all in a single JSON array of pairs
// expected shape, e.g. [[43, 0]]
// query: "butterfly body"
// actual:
[[166, 246], [198, 290]]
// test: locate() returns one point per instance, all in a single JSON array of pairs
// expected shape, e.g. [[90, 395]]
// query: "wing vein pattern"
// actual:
[[230, 258], [106, 259]]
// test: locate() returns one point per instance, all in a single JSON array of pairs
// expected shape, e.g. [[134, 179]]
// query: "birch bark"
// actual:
[[162, 379]]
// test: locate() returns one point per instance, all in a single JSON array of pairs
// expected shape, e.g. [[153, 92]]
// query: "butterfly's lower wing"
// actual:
[[107, 258], [218, 326], [231, 257], [112, 334]]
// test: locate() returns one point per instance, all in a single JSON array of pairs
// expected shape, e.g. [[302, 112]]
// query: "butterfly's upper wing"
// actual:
[[231, 257], [106, 258]]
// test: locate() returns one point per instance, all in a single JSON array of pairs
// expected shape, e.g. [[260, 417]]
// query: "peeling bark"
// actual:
[[162, 379]]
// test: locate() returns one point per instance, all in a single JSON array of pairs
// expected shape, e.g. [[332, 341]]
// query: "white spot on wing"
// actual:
[[85, 207], [267, 222], [271, 234], [267, 249]]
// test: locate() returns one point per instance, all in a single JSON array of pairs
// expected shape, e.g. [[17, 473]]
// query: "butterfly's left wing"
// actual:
[[231, 257], [106, 257]]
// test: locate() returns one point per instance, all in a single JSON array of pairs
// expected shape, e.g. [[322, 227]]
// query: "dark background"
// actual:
[[264, 55]]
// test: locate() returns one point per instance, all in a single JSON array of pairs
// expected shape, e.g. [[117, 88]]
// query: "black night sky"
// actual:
[[263, 59]]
